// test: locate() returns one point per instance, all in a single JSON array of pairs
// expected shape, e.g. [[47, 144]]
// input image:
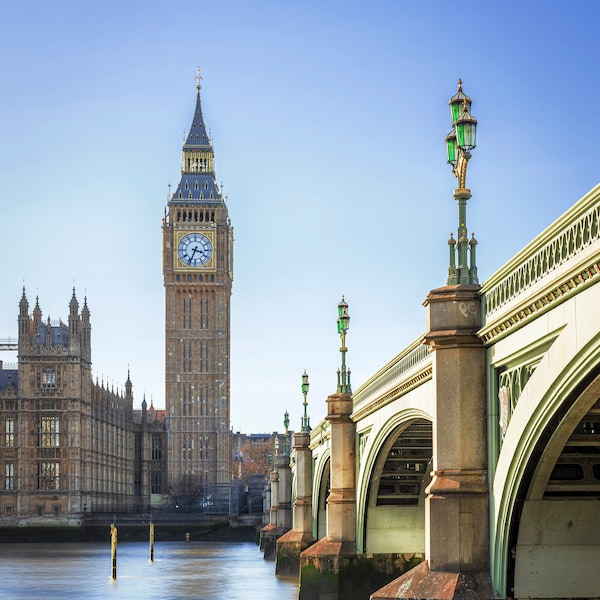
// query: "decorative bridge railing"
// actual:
[[393, 372], [9, 344], [561, 243]]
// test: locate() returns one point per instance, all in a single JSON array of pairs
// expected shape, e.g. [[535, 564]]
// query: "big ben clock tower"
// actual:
[[198, 273]]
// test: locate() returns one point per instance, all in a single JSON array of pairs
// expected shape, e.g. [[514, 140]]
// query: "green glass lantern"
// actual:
[[457, 102], [451, 147], [343, 321], [466, 126], [305, 383]]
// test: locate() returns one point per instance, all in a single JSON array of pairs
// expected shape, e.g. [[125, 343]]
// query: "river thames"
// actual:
[[204, 570]]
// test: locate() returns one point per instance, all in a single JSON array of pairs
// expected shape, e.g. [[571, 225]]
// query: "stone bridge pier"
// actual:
[[456, 512]]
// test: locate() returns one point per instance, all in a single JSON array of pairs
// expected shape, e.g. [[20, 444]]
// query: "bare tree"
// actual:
[[187, 492], [255, 458]]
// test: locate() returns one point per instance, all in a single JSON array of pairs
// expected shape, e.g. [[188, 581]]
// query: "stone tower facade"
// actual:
[[198, 275], [70, 447]]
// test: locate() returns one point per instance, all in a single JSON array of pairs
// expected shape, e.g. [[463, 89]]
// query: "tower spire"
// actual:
[[198, 79]]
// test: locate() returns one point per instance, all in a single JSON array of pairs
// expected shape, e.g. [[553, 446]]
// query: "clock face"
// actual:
[[195, 250]]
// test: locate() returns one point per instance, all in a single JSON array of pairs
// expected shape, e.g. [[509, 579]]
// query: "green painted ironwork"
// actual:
[[409, 359], [561, 243], [460, 141]]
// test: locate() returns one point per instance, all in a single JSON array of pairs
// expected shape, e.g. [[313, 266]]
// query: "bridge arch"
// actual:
[[545, 534], [393, 520], [320, 492]]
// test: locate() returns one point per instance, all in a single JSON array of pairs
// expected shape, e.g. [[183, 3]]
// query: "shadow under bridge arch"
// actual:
[[391, 495]]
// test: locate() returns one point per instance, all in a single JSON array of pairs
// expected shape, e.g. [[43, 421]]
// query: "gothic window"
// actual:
[[186, 366], [206, 185], [156, 448], [156, 484], [49, 476], [187, 449], [9, 431], [196, 185], [187, 313], [9, 476], [187, 185], [49, 377], [50, 432]]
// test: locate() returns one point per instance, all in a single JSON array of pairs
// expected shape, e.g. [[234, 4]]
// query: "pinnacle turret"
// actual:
[[37, 312], [23, 315]]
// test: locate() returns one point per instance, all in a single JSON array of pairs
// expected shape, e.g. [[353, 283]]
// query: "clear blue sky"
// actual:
[[328, 120]]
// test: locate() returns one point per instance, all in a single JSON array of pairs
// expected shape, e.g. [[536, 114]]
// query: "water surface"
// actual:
[[205, 570]]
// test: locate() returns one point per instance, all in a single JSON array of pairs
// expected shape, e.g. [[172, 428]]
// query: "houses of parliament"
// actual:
[[72, 446]]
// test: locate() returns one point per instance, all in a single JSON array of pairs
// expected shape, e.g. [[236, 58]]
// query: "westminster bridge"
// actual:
[[475, 450]]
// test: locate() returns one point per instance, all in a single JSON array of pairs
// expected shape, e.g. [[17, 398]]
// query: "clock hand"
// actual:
[[192, 256]]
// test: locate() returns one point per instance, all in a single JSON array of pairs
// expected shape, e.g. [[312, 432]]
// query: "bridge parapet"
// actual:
[[406, 370], [9, 343], [558, 263]]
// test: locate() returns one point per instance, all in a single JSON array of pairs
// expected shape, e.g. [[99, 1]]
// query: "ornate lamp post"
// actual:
[[459, 143], [286, 423], [343, 324], [305, 419]]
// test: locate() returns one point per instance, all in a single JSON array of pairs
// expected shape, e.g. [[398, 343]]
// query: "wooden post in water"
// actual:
[[151, 541], [113, 549]]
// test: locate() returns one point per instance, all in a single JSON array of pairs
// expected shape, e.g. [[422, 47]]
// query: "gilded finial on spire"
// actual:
[[459, 84], [198, 79]]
